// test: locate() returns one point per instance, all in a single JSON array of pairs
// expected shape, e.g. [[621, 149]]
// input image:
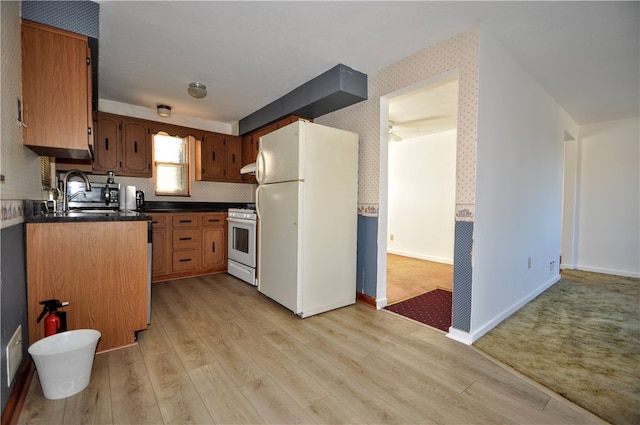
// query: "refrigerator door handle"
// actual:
[[258, 202], [260, 167]]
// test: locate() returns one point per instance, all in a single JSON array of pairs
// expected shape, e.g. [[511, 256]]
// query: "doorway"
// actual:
[[421, 186]]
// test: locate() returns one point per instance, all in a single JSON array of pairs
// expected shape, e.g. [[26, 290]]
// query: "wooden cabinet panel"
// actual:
[[122, 145], [234, 158], [214, 219], [185, 260], [185, 220], [159, 252], [116, 280], [213, 247], [194, 244], [56, 100], [219, 157], [106, 144], [214, 241], [136, 148], [185, 238], [213, 157], [161, 245]]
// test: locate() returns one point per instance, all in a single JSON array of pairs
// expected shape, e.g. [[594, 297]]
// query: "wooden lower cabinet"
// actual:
[[214, 241], [100, 268], [188, 244], [159, 260]]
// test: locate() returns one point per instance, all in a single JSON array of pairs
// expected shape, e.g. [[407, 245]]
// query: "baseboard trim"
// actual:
[[432, 258], [607, 271], [366, 300], [476, 334], [11, 413], [460, 336]]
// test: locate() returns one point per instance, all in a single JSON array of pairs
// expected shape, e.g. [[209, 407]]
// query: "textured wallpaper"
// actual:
[[459, 53]]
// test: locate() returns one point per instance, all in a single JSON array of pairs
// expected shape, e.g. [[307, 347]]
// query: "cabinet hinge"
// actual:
[[88, 61], [88, 130]]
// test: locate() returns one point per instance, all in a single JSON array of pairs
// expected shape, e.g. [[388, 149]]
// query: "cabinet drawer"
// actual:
[[185, 239], [213, 219], [159, 221], [185, 260], [186, 220]]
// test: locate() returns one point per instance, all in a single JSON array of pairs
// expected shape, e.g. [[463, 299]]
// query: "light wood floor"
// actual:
[[218, 351], [409, 277]]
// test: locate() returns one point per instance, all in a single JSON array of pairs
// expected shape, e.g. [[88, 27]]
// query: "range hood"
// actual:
[[248, 169]]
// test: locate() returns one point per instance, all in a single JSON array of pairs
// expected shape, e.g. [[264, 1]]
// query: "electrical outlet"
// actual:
[[529, 263], [391, 237], [14, 354]]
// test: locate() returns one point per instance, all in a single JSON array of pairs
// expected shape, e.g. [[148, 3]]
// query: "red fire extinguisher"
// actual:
[[56, 321]]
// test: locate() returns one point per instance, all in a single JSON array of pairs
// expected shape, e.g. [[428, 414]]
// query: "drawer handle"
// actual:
[[185, 260], [106, 143], [214, 220], [185, 239], [185, 221], [154, 222]]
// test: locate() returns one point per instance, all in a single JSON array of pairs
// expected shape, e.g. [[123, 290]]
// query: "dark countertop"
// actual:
[[35, 211], [171, 207], [70, 217]]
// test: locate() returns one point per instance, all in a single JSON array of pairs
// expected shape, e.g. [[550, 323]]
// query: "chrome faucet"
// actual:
[[65, 180]]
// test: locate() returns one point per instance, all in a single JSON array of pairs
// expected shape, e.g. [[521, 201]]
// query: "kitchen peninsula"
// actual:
[[96, 262]]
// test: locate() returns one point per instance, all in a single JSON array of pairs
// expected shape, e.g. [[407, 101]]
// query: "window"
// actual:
[[171, 163]]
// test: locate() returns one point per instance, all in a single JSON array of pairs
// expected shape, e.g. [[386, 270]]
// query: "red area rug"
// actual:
[[432, 308]]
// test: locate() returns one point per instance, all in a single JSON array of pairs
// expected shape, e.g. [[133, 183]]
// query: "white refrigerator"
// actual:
[[307, 217]]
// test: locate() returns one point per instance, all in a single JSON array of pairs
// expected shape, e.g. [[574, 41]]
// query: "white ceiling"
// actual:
[[586, 54]]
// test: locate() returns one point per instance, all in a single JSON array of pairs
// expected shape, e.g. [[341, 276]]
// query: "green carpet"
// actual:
[[581, 339]]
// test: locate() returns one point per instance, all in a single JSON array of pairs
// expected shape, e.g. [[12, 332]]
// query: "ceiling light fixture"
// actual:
[[197, 90], [164, 111]]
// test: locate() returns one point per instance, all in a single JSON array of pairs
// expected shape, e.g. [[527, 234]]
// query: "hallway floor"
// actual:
[[409, 277]]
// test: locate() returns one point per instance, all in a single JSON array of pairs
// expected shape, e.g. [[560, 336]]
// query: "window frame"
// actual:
[[186, 166]]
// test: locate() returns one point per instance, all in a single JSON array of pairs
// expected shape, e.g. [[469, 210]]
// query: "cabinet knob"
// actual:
[[213, 247]]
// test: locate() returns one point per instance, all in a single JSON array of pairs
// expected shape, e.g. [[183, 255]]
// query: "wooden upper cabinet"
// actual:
[[219, 157], [106, 145], [122, 145], [234, 157], [136, 148], [212, 159], [56, 92]]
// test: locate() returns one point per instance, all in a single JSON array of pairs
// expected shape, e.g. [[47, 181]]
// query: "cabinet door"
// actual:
[[213, 157], [213, 247], [55, 96], [234, 153], [136, 149], [159, 254], [106, 152]]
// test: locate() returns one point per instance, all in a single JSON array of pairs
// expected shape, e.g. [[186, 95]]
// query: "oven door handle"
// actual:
[[241, 221]]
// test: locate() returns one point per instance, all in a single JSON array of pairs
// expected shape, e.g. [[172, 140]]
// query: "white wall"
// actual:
[[422, 189], [608, 216], [518, 188]]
